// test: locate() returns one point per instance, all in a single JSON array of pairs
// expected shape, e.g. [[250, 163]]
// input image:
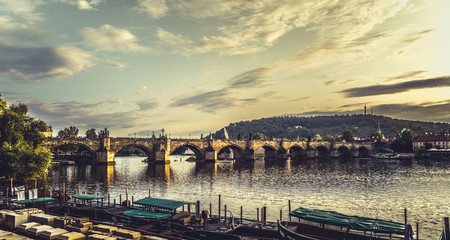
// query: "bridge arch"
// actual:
[[143, 148], [321, 152], [79, 155], [270, 152], [238, 152], [363, 152], [199, 154], [344, 152], [297, 152]]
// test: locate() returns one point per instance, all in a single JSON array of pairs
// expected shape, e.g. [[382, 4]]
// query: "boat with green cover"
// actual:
[[319, 224]]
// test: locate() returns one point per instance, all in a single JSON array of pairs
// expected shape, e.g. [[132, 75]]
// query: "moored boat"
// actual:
[[325, 225]]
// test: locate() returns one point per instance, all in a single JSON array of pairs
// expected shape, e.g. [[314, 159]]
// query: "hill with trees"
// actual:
[[327, 127]]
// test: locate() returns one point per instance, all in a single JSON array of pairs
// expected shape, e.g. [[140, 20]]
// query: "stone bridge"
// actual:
[[158, 150]]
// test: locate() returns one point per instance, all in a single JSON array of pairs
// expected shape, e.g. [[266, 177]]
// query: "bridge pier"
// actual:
[[162, 157], [311, 153], [105, 157], [211, 156], [334, 153]]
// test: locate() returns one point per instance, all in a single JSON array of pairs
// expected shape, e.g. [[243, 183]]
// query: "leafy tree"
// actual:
[[91, 134], [259, 136], [408, 136], [21, 156], [398, 145], [68, 132], [348, 136]]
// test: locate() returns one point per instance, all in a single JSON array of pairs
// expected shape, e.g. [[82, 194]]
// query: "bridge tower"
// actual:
[[104, 154]]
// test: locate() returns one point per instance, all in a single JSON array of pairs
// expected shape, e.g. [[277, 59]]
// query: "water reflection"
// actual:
[[365, 187]]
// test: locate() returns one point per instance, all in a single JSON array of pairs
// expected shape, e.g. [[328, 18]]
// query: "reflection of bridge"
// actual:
[[158, 150]]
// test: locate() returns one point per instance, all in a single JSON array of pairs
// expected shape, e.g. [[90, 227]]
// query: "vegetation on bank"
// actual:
[[328, 127], [21, 155]]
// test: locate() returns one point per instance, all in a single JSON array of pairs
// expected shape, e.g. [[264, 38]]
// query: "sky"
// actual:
[[194, 66]]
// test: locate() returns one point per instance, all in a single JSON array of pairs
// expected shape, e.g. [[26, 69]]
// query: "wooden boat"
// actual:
[[327, 225]]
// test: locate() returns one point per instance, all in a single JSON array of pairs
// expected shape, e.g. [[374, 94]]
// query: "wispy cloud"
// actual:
[[250, 79], [339, 82], [42, 64], [209, 101], [426, 111], [432, 111], [110, 38], [84, 4], [153, 8], [408, 41], [230, 95], [90, 115], [398, 87], [24, 9], [148, 104], [406, 75]]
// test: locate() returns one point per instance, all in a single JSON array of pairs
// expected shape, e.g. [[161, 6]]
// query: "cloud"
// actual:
[[153, 8], [250, 79], [85, 115], [229, 96], [251, 26], [24, 9], [414, 37], [430, 111], [210, 101], [426, 111], [148, 104], [339, 82], [406, 75], [110, 38], [83, 4], [42, 64], [144, 90], [398, 87], [300, 99], [171, 38], [21, 33], [408, 41]]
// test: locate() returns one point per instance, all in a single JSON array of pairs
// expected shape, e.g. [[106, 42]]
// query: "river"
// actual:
[[369, 188]]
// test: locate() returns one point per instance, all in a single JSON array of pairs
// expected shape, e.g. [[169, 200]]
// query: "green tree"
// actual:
[[348, 136], [21, 156], [408, 136], [91, 133], [259, 136], [68, 132]]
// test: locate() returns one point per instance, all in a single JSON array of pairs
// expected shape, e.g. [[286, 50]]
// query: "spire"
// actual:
[[365, 109], [225, 133]]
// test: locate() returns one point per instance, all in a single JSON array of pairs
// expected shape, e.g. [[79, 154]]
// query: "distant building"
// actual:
[[441, 141], [48, 132]]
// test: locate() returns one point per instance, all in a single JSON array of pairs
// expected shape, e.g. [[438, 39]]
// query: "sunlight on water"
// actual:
[[368, 188]]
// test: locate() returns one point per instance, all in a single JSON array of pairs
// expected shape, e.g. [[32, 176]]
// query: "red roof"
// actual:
[[433, 138]]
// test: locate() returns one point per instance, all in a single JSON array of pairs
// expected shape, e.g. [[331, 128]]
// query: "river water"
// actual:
[[368, 188]]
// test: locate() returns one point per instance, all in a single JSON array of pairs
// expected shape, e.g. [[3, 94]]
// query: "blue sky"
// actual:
[[193, 66]]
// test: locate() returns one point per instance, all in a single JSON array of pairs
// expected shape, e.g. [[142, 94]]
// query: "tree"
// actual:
[[408, 136], [21, 156], [259, 136], [348, 136], [91, 134], [68, 132]]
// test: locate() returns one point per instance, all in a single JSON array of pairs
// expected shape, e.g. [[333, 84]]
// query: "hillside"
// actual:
[[362, 125]]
